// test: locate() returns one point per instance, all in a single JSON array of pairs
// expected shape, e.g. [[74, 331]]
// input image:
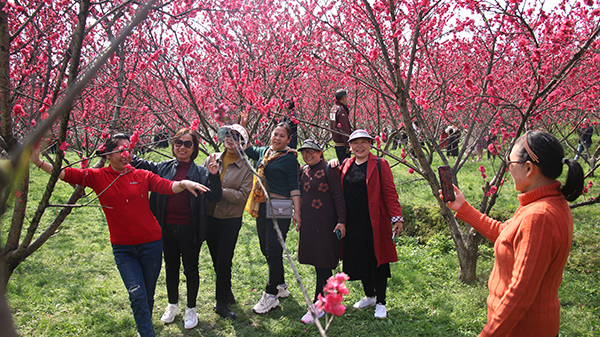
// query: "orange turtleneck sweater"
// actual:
[[531, 251]]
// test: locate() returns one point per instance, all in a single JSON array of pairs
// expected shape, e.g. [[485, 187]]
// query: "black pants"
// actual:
[[221, 239], [375, 283], [271, 248], [322, 276], [178, 242], [342, 153]]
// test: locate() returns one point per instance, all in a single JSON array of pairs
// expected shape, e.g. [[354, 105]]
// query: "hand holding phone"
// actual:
[[338, 233], [446, 182]]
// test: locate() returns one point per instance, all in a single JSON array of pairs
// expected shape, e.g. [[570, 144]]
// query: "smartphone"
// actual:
[[446, 181], [338, 233]]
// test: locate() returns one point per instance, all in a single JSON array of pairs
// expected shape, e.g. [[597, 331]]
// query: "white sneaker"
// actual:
[[308, 317], [191, 318], [366, 302], [266, 303], [380, 311], [282, 291], [171, 311]]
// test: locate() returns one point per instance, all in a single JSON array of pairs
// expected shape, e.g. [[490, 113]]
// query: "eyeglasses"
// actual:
[[507, 161], [308, 151], [188, 143]]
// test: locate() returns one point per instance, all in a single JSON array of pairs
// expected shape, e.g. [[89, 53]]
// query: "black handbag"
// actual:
[[282, 209]]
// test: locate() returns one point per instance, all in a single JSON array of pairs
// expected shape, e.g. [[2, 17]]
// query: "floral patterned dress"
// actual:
[[322, 208]]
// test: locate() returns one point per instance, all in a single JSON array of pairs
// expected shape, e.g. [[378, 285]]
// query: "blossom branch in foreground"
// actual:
[[334, 290]]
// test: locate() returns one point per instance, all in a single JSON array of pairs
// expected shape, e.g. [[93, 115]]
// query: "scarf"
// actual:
[[257, 195]]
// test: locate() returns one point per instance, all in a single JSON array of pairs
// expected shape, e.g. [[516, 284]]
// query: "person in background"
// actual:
[[225, 216], [182, 219], [323, 214], [453, 141], [339, 121], [280, 170], [443, 141], [371, 204], [135, 234], [585, 133], [479, 146], [532, 247], [288, 106]]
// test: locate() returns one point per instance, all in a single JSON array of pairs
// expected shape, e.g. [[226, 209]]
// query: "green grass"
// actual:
[[71, 286]]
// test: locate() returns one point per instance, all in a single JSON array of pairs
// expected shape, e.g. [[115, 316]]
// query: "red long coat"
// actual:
[[383, 205]]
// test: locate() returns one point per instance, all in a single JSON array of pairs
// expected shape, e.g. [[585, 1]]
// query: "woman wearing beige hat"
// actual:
[[323, 215], [225, 216]]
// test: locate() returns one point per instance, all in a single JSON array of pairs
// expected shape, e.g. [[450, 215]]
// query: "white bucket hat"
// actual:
[[237, 128], [360, 133]]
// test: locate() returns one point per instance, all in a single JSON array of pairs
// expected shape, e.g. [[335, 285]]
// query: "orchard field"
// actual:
[[72, 287], [75, 72]]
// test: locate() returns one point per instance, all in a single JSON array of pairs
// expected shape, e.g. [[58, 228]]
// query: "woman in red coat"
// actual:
[[371, 204]]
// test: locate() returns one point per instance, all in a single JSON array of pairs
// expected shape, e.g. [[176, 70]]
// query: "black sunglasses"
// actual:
[[188, 143]]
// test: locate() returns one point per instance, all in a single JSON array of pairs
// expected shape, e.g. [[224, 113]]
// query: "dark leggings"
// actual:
[[221, 239], [375, 283], [271, 248], [322, 276], [178, 241]]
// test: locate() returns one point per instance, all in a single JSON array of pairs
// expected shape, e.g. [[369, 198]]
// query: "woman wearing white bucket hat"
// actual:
[[225, 216], [371, 204]]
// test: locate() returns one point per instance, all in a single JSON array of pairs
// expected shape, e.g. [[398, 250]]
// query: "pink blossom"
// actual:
[[17, 194], [104, 135], [334, 290], [590, 184], [195, 124], [125, 154], [411, 170], [18, 110], [33, 122], [84, 163], [378, 141], [63, 146], [134, 139], [481, 169], [493, 189], [101, 148]]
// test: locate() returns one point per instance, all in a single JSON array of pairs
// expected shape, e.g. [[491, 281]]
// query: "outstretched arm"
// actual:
[[192, 186], [42, 165]]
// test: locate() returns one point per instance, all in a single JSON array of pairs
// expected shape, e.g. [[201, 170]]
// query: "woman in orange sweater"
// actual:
[[532, 247]]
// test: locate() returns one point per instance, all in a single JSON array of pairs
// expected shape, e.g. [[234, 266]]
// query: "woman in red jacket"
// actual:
[[134, 232], [371, 203], [532, 247]]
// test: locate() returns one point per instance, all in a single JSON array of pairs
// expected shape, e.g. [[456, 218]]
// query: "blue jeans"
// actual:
[[139, 266], [581, 151]]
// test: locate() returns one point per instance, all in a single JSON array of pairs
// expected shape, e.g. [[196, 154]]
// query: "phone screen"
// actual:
[[446, 181]]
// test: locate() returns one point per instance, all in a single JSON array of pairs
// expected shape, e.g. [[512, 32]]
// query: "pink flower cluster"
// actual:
[[221, 113], [589, 186], [491, 191], [195, 124], [334, 290], [482, 170]]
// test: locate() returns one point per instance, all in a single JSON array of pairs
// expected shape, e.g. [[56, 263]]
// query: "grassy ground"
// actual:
[[71, 286]]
